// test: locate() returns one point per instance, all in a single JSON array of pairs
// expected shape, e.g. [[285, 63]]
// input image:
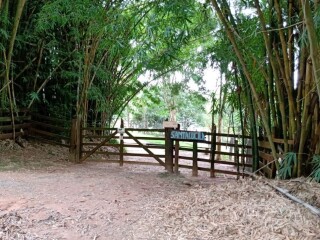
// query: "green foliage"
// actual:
[[34, 96], [316, 168], [286, 166]]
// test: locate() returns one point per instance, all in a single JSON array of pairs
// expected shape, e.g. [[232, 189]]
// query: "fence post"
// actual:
[[168, 150], [213, 151], [78, 141], [236, 151], [195, 159], [121, 143], [176, 154], [72, 149], [75, 141]]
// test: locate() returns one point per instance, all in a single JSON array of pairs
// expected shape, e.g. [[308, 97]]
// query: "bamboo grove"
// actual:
[[275, 58], [84, 58]]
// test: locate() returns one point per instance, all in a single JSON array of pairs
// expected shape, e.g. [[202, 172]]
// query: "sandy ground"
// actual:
[[43, 196]]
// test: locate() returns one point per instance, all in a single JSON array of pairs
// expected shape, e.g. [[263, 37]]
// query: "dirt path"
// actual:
[[81, 202], [45, 197]]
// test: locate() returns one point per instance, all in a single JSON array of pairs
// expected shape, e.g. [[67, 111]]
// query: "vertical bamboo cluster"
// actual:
[[285, 84]]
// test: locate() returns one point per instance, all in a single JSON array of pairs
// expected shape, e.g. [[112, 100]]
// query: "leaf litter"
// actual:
[[171, 207]]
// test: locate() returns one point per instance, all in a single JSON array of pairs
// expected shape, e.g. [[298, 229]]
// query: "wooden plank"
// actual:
[[264, 144], [265, 169], [230, 172], [45, 133], [231, 135], [233, 154], [190, 167], [20, 118], [88, 136], [280, 140], [47, 125], [146, 149], [232, 145], [231, 163], [176, 156], [99, 129], [49, 141], [145, 130], [150, 138], [266, 156], [97, 147], [126, 162], [194, 160], [4, 136], [101, 152], [142, 155], [17, 126], [51, 119]]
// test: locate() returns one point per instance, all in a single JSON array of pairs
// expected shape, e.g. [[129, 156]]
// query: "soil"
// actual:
[[43, 196]]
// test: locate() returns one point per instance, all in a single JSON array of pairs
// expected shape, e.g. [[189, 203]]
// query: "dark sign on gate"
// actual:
[[187, 135]]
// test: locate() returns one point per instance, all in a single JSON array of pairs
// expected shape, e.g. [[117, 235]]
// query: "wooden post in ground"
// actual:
[[75, 141], [121, 143], [176, 154], [78, 154], [195, 159], [236, 151], [72, 149], [213, 151], [168, 150]]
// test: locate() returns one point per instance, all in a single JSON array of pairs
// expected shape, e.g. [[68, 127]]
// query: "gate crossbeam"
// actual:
[[97, 147], [145, 148]]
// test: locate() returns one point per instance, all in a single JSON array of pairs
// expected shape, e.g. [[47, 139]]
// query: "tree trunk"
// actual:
[[231, 36], [314, 45]]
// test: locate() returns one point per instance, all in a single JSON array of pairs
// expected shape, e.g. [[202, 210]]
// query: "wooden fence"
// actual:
[[49, 130], [29, 125], [8, 130], [148, 147], [266, 160], [231, 155]]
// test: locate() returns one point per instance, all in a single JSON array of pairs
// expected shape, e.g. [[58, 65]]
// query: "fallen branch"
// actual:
[[293, 198], [285, 192]]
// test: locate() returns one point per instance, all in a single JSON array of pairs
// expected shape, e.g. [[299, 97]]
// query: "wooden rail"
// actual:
[[136, 145], [266, 161]]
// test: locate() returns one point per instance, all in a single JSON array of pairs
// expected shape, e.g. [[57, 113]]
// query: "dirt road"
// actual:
[[45, 197]]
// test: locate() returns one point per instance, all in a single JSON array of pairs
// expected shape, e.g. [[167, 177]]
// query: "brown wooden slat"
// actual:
[[142, 155], [4, 136], [45, 133], [97, 147], [101, 152], [232, 135], [51, 119], [49, 141], [17, 126], [230, 172], [233, 145], [265, 169], [266, 156], [145, 148], [46, 125], [126, 162], [116, 145], [145, 130], [20, 118], [264, 144], [279, 140], [234, 154], [98, 129]]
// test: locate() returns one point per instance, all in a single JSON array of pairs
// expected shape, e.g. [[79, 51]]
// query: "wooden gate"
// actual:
[[156, 147], [123, 146]]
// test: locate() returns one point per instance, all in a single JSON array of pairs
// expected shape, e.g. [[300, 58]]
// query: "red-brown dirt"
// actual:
[[43, 196]]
